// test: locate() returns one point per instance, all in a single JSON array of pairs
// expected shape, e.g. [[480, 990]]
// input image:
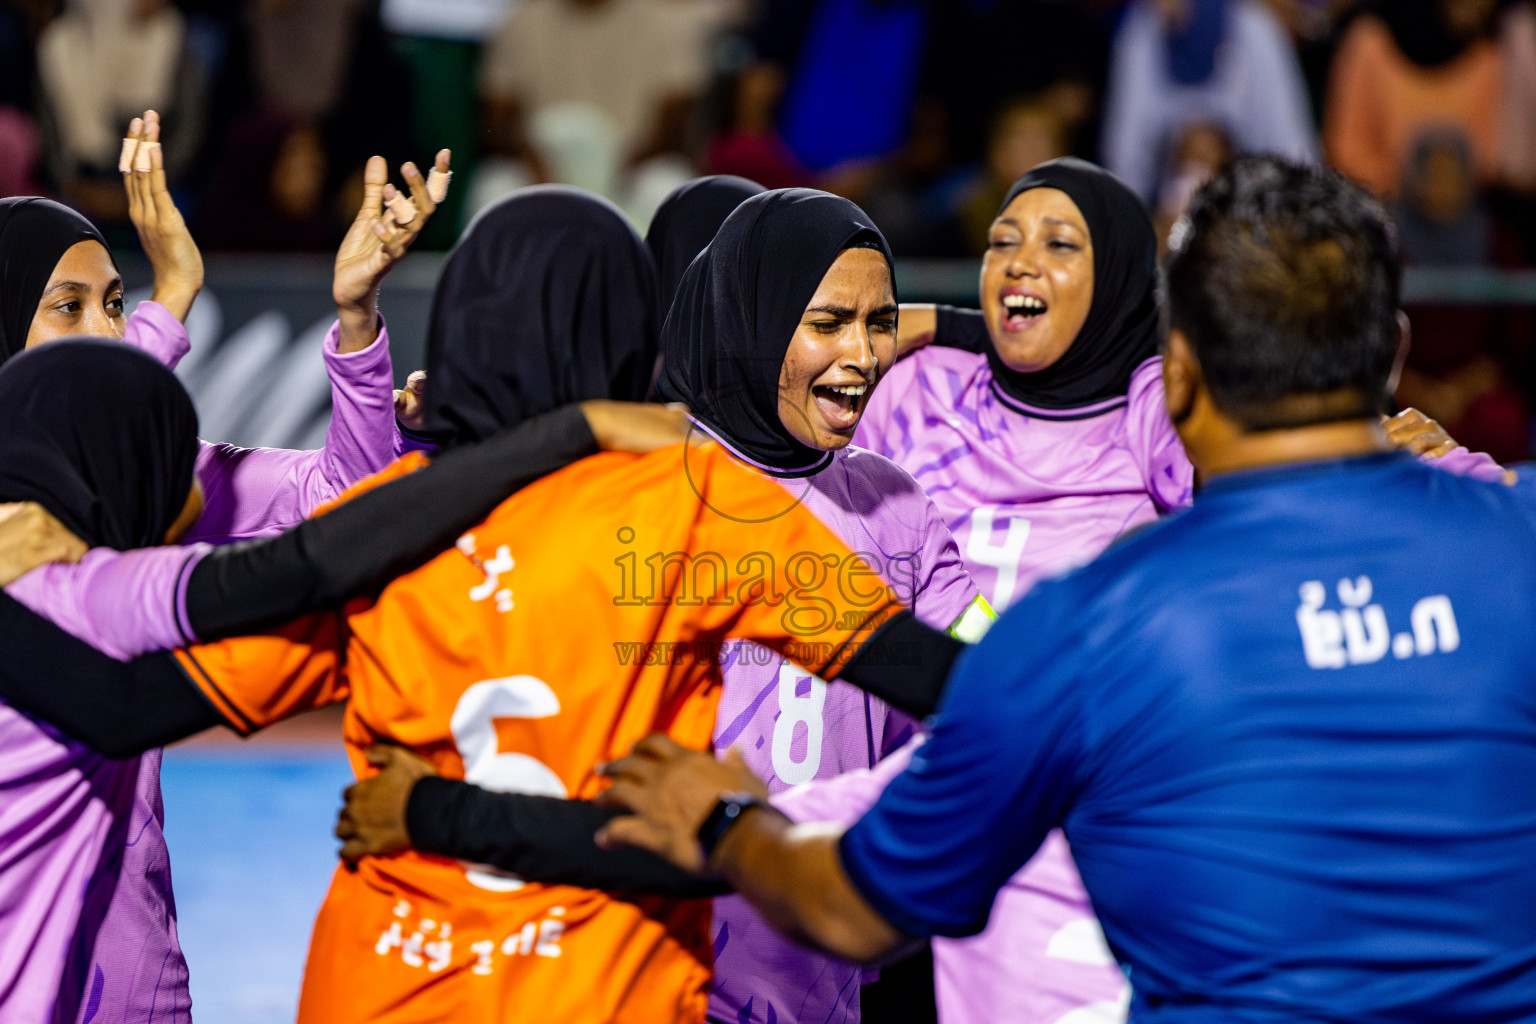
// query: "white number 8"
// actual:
[[794, 708], [474, 733]]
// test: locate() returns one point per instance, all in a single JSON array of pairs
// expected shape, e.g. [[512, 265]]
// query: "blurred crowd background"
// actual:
[[922, 111]]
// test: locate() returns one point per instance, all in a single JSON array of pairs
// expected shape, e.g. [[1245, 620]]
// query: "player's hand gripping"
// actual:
[[30, 537], [1417, 433], [173, 255], [386, 225], [408, 408], [372, 823], [672, 790]]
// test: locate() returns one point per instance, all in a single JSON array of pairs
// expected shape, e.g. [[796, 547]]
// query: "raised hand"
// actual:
[[174, 256], [377, 240]]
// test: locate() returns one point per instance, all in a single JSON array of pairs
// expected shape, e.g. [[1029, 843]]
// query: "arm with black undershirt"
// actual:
[[921, 324], [550, 840], [997, 774], [123, 708]]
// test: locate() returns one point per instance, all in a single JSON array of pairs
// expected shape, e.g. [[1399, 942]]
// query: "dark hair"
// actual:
[[1285, 279]]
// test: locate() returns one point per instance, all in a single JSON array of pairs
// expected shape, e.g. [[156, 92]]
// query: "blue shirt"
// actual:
[[1291, 737]]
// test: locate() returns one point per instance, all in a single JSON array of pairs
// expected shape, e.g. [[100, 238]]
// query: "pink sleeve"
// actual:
[[844, 798], [1150, 436], [1460, 462], [153, 329], [123, 603], [254, 492]]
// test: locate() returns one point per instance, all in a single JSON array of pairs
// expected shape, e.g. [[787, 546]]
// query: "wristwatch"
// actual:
[[726, 813]]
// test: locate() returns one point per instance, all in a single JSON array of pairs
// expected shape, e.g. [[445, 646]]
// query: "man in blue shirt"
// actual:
[[1290, 734]]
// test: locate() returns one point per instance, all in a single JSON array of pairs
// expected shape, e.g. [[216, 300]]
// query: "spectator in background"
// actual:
[[1458, 367], [18, 132], [268, 192], [748, 143], [1198, 153], [1406, 65], [1025, 133], [314, 90], [975, 68], [1222, 62], [99, 63], [839, 113], [300, 53], [586, 91]]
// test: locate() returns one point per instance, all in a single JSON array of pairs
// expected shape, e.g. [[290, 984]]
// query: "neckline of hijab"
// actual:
[[102, 436], [686, 222], [1121, 329], [548, 299], [738, 307], [34, 235]]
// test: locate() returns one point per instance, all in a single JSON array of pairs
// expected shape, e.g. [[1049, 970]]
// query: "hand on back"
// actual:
[[30, 537]]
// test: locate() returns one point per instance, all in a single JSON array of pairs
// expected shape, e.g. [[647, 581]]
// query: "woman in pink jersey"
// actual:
[[765, 342], [57, 279], [1042, 439]]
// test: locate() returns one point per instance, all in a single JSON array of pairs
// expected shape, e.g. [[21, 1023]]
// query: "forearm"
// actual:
[[914, 327], [154, 328], [364, 543], [360, 439], [119, 708], [541, 839], [123, 603], [794, 877]]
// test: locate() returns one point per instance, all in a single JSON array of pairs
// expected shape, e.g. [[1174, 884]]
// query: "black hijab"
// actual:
[[737, 308], [687, 221], [34, 235], [99, 434], [548, 299], [1121, 330]]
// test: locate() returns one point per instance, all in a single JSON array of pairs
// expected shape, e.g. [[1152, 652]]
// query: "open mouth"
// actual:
[[840, 404], [1020, 310]]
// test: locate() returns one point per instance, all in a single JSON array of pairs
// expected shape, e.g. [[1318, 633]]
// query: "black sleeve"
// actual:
[[960, 328], [120, 708], [358, 547], [905, 663], [539, 838]]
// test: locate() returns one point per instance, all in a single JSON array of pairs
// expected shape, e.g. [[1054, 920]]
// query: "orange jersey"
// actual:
[[582, 615]]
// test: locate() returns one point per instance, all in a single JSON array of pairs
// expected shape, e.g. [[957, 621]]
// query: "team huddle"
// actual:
[[665, 610]]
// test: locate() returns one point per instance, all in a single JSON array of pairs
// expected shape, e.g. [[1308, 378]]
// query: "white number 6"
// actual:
[[474, 732]]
